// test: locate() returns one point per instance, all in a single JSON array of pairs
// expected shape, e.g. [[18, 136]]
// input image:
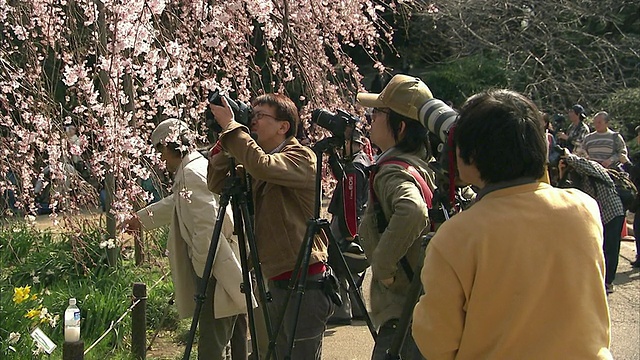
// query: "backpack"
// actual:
[[425, 191], [625, 188]]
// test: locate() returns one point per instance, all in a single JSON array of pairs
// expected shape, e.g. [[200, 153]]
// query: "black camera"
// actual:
[[337, 123], [241, 111], [559, 122]]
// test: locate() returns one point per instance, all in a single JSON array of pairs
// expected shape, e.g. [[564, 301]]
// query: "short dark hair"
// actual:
[[286, 110], [604, 114], [500, 132], [415, 135]]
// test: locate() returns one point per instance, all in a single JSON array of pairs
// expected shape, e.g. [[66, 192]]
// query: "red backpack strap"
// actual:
[[452, 165], [426, 192]]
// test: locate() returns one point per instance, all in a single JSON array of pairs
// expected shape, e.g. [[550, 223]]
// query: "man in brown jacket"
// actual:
[[283, 173]]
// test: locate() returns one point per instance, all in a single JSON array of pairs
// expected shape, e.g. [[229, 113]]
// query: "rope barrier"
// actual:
[[113, 324]]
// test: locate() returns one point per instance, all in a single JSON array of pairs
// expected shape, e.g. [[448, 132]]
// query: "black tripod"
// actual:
[[234, 189], [299, 276]]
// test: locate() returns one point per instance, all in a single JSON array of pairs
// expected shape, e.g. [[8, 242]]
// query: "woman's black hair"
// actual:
[[415, 135]]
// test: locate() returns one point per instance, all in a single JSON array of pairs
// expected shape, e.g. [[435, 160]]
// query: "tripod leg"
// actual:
[[202, 288], [353, 287], [263, 294], [246, 281]]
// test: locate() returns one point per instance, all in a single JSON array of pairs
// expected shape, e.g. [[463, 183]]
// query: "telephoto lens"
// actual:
[[438, 116]]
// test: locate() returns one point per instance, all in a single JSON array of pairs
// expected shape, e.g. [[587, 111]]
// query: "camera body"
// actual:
[[241, 111], [337, 123], [559, 123]]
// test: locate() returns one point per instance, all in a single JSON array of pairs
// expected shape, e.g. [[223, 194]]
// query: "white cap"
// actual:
[[168, 130], [72, 301]]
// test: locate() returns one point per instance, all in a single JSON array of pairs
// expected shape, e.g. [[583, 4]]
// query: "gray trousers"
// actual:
[[315, 309], [213, 343], [239, 345]]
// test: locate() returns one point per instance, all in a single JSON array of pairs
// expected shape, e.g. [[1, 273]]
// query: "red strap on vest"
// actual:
[[452, 167], [427, 195]]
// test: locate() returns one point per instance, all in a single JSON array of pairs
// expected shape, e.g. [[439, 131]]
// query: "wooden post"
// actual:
[[139, 322], [73, 350]]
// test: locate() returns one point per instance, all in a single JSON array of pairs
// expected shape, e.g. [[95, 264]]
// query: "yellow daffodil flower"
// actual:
[[21, 294], [33, 313]]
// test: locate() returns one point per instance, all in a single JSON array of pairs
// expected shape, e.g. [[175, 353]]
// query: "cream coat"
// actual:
[[191, 210]]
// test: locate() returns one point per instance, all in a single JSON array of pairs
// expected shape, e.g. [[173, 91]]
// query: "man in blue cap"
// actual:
[[577, 130]]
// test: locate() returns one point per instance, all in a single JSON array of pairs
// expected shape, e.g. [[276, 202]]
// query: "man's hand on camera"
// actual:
[[222, 114]]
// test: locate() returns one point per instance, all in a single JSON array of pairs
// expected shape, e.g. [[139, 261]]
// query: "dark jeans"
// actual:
[[386, 333], [611, 247], [239, 345]]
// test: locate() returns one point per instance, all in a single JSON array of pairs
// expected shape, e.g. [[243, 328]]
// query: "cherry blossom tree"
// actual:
[[115, 68]]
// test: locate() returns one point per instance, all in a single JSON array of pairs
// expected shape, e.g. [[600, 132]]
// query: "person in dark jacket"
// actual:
[[634, 172], [346, 209], [592, 178]]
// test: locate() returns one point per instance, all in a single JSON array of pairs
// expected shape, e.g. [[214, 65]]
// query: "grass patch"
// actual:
[[44, 269]]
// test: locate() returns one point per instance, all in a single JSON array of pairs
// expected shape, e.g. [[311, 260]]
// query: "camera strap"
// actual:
[[349, 199]]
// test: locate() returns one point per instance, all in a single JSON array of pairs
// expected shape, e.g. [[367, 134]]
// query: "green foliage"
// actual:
[[556, 53], [624, 108], [54, 268], [50, 259], [461, 78]]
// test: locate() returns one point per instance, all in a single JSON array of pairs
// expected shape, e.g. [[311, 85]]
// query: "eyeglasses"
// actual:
[[260, 115]]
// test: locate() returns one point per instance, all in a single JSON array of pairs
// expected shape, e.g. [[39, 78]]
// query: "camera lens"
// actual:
[[438, 117], [323, 118]]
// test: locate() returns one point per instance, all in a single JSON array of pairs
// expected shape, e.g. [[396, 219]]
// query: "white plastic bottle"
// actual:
[[72, 322]]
